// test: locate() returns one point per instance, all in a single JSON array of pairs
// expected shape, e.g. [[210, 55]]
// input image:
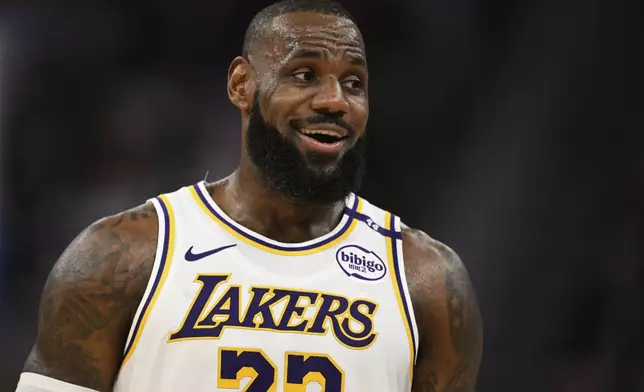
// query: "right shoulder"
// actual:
[[91, 296], [134, 229], [123, 245]]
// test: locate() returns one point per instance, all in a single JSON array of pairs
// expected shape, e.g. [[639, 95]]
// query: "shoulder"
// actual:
[[439, 283], [429, 261], [90, 298], [447, 315], [417, 243], [141, 222], [122, 242], [120, 248]]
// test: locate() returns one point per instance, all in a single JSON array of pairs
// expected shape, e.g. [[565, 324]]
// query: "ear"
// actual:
[[239, 83]]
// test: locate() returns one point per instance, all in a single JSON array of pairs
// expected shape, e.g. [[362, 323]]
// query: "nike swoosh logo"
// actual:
[[198, 256]]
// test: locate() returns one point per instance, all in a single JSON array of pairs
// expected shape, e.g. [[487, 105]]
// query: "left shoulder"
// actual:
[[416, 243], [447, 314], [434, 271], [428, 260]]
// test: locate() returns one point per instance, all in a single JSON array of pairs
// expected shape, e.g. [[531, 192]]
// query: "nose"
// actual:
[[330, 98]]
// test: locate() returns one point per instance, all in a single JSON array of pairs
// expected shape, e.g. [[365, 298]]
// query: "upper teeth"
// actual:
[[320, 132]]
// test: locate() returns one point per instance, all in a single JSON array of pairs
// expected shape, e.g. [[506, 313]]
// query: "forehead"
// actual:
[[295, 30]]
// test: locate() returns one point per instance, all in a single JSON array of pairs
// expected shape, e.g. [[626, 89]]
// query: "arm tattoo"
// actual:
[[428, 384], [465, 325], [90, 297], [447, 314]]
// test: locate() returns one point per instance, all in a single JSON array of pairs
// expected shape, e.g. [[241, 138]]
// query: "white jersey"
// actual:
[[227, 309]]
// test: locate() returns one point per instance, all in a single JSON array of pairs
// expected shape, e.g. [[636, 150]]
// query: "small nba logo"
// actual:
[[360, 263]]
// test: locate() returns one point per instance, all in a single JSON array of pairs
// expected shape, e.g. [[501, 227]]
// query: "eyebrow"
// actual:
[[308, 54], [353, 59], [356, 60]]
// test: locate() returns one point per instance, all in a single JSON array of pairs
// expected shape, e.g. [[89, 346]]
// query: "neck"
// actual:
[[247, 198]]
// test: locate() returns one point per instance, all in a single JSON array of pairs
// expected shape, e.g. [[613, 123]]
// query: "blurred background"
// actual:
[[517, 127]]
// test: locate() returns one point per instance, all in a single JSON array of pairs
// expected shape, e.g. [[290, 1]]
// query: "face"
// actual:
[[296, 176], [307, 117]]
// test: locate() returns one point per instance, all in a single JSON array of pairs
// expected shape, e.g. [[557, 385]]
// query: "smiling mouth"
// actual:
[[322, 136]]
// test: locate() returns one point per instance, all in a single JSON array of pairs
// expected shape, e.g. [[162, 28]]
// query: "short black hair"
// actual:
[[261, 20]]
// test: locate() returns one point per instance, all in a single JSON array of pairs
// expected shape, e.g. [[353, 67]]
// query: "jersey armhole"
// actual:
[[395, 247], [162, 258], [405, 287]]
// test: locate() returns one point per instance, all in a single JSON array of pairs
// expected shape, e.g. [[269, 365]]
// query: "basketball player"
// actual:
[[278, 277]]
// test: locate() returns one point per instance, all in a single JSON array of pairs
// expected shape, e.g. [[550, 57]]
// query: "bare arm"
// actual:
[[90, 297], [447, 314]]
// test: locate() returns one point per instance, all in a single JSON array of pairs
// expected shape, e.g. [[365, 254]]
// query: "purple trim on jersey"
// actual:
[[157, 278], [394, 248], [381, 230], [260, 241]]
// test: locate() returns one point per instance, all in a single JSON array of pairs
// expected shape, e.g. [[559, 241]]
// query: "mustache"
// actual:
[[323, 119]]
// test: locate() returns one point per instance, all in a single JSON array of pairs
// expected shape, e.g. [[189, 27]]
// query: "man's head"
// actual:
[[301, 86]]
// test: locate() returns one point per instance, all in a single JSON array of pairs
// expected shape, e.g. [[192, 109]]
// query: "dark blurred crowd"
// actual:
[[512, 131]]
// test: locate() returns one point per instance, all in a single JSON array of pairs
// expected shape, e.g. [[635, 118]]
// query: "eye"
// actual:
[[304, 75], [352, 82]]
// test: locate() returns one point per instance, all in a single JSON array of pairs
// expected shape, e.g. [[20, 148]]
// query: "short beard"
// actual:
[[286, 171]]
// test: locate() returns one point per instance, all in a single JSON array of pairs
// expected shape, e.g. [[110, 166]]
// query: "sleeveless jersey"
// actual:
[[227, 309]]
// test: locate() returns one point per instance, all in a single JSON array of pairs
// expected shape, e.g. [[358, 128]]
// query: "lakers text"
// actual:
[[350, 321]]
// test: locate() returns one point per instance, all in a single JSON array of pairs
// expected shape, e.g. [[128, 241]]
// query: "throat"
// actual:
[[284, 232], [274, 216]]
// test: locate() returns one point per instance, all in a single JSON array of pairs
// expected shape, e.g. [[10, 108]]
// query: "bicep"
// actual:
[[451, 330], [86, 307], [76, 340], [436, 356]]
